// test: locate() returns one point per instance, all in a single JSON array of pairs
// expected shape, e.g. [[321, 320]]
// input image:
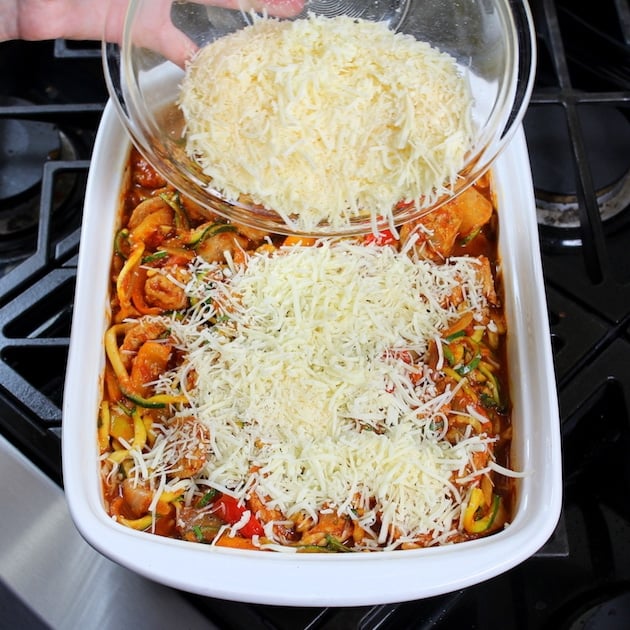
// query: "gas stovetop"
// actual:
[[578, 131]]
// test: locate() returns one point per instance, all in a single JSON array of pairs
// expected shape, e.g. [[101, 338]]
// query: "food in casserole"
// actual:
[[326, 119], [282, 393]]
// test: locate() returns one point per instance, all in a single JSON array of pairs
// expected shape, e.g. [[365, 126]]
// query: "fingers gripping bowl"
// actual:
[[319, 579], [490, 45]]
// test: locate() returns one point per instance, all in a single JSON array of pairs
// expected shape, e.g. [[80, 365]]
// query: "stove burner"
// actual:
[[605, 610], [25, 146], [606, 133]]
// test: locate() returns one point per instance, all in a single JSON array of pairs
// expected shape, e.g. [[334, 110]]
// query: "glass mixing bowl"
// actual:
[[492, 42]]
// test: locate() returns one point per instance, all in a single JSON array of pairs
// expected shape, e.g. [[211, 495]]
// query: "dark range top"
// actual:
[[578, 131]]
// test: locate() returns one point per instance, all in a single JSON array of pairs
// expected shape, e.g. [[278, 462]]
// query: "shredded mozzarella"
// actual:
[[302, 382], [326, 119]]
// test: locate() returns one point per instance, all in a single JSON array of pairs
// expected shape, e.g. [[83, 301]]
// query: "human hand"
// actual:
[[98, 19], [153, 27]]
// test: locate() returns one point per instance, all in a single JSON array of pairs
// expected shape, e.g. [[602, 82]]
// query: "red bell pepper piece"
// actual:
[[229, 510], [381, 239]]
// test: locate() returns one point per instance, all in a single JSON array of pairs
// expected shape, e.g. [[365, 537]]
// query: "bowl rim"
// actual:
[[502, 123], [335, 579]]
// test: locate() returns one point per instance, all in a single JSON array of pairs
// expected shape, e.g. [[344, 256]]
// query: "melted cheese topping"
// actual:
[[303, 383], [325, 119]]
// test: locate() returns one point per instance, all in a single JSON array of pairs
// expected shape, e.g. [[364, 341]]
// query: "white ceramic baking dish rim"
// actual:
[[314, 579]]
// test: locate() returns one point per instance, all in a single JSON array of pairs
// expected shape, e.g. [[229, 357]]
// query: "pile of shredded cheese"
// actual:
[[302, 382], [326, 119]]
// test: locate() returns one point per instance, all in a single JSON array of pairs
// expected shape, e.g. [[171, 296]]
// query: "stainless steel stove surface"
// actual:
[[578, 131]]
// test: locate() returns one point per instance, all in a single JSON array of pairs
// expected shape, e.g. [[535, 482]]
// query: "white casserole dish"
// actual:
[[320, 579]]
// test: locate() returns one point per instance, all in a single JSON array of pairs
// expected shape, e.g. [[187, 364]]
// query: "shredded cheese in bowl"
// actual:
[[324, 120]]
